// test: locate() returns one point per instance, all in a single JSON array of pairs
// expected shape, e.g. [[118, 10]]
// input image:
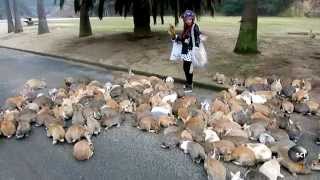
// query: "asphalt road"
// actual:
[[124, 153], [120, 154]]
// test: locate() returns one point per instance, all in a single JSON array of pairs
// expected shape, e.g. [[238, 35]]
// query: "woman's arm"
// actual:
[[177, 38], [197, 35]]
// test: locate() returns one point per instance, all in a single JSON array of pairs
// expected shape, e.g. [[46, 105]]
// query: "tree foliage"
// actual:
[[265, 7], [232, 7], [161, 7], [77, 4]]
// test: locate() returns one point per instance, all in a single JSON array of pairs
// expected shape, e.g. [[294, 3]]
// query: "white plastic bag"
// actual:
[[176, 51], [199, 54]]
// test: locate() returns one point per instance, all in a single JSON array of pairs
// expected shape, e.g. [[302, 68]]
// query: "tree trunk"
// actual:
[[42, 24], [141, 18], [9, 16], [85, 26], [17, 20], [247, 39]]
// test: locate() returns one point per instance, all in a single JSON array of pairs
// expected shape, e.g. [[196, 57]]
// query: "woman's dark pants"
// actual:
[[189, 76]]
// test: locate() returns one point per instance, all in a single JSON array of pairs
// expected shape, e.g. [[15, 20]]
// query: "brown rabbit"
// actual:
[[218, 105], [265, 110], [195, 150], [313, 106], [161, 86], [223, 148], [189, 100], [155, 100], [23, 129], [143, 108], [300, 95], [114, 120], [183, 114], [237, 140], [287, 107], [166, 121], [93, 126], [52, 120], [196, 126], [35, 84], [42, 115], [233, 91], [306, 85], [8, 128], [235, 105], [255, 80], [83, 150], [15, 102], [255, 129], [260, 116], [76, 132], [236, 132], [57, 133], [139, 116], [243, 156], [186, 135], [170, 139], [223, 96], [27, 115], [223, 126], [297, 83], [67, 109], [43, 101], [58, 112], [276, 86], [267, 94], [150, 124], [11, 115], [219, 78], [78, 117], [111, 103], [214, 168]]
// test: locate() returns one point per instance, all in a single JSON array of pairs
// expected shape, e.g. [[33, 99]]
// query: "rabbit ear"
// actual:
[[214, 153], [281, 175], [298, 127], [80, 105], [246, 126]]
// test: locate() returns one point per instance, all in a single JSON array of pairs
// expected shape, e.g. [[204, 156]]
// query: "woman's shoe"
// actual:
[[188, 89], [318, 141]]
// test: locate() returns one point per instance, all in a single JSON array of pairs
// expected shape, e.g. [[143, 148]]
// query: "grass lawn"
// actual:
[[281, 54], [267, 25]]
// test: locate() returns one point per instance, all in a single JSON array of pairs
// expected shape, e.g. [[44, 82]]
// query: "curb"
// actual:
[[214, 87]]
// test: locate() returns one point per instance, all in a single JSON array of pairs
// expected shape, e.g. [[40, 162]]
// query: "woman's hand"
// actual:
[[203, 37]]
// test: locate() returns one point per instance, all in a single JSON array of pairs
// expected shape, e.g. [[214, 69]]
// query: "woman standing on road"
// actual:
[[186, 39]]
